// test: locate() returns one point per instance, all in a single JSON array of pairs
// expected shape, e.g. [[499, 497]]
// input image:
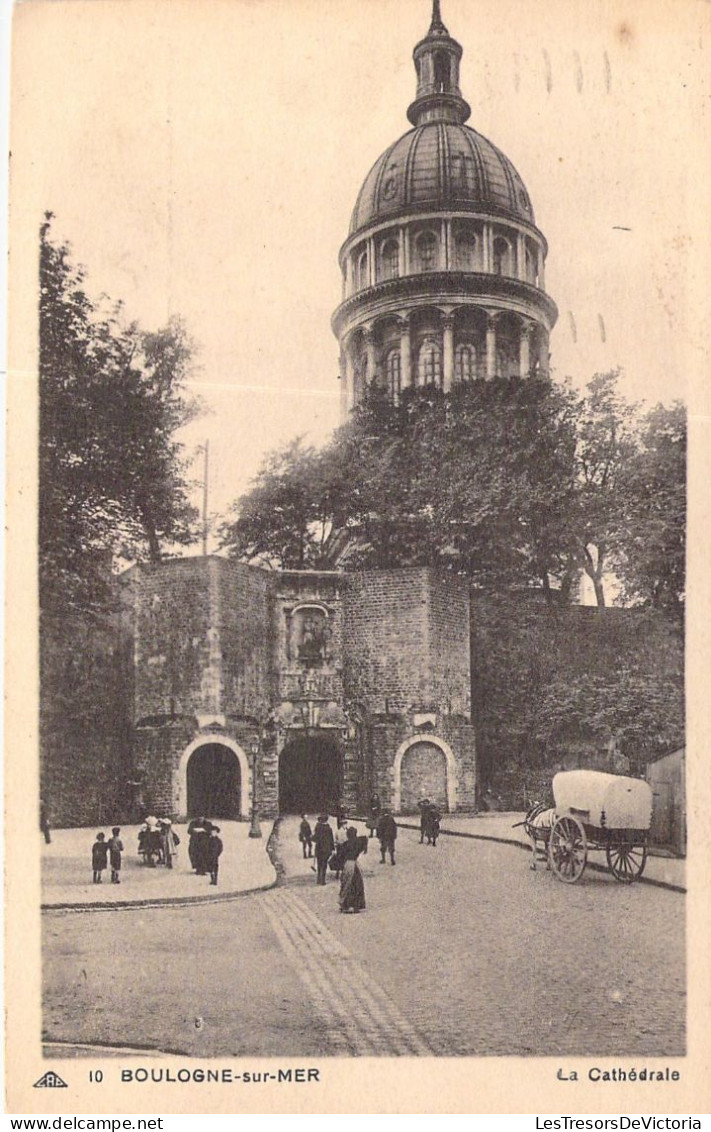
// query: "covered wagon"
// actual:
[[608, 812]]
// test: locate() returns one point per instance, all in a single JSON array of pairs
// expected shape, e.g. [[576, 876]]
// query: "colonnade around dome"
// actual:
[[439, 346]]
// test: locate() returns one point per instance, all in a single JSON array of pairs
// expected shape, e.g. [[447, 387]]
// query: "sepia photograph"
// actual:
[[355, 351]]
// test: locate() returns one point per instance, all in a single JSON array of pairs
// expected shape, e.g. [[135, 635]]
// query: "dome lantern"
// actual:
[[437, 59]]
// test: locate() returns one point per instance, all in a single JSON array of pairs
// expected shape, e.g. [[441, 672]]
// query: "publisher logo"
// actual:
[[50, 1080]]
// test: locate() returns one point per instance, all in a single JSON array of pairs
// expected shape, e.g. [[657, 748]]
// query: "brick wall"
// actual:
[[406, 640]]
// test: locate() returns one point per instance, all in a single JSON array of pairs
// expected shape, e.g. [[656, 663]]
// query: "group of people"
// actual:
[[158, 845], [205, 848], [105, 852], [157, 842], [341, 852]]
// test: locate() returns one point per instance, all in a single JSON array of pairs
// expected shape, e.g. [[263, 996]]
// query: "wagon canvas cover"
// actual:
[[604, 800]]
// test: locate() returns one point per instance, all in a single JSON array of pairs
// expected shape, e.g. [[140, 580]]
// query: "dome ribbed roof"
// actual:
[[441, 165]]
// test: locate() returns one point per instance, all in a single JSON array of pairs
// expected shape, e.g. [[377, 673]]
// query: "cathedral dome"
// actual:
[[441, 165]]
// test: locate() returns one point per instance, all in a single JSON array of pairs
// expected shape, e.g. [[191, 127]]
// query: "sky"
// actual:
[[203, 160]]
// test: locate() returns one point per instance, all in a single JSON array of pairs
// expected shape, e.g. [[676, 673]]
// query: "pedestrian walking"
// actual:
[[305, 836], [115, 846], [351, 897], [374, 813], [424, 808], [433, 823], [214, 852], [387, 835], [323, 847], [44, 822], [340, 839], [169, 841], [99, 855], [199, 833]]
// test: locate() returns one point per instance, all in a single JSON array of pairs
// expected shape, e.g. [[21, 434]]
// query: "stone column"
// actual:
[[401, 267], [525, 351], [371, 261], [490, 346], [405, 353], [487, 248], [541, 269], [448, 352], [349, 380], [349, 275], [405, 237], [370, 353], [521, 255], [444, 254], [343, 390]]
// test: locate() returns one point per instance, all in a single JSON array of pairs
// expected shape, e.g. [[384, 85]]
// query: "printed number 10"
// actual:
[[96, 1075]]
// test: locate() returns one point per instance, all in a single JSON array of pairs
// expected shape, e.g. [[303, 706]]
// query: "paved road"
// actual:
[[462, 950]]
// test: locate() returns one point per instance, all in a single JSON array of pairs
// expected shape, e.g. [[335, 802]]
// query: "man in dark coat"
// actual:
[[305, 835], [424, 808], [323, 847], [44, 822], [99, 856], [374, 813], [199, 834], [214, 852], [387, 834]]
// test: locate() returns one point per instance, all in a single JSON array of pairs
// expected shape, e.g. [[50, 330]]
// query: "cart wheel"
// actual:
[[568, 849], [626, 862]]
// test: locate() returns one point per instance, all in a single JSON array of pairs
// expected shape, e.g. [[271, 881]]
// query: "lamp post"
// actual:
[[255, 829]]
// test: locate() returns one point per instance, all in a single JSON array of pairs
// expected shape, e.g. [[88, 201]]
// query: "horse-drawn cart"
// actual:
[[594, 811]]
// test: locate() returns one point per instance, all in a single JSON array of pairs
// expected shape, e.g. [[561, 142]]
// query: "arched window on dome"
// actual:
[[389, 260], [362, 275], [503, 257], [427, 248], [429, 363], [465, 362], [467, 247], [394, 375]]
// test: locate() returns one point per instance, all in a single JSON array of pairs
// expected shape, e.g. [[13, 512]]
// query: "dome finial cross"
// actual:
[[437, 26]]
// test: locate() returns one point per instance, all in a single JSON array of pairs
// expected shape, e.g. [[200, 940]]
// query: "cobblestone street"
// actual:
[[462, 950]]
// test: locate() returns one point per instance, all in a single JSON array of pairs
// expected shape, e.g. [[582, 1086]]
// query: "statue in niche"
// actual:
[[311, 649]]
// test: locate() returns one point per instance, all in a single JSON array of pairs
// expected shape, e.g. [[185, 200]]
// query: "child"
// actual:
[[214, 849], [99, 851], [305, 835], [115, 847]]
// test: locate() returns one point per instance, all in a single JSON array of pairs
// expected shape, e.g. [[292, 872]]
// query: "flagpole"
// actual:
[[204, 500]]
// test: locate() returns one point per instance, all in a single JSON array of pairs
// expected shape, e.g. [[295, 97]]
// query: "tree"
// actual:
[[606, 442], [476, 481], [651, 534], [112, 476], [283, 521]]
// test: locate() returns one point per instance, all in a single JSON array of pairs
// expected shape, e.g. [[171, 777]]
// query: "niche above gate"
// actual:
[[308, 635]]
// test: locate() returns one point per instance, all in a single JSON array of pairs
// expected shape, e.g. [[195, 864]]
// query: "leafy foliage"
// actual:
[[476, 481], [112, 476], [651, 530]]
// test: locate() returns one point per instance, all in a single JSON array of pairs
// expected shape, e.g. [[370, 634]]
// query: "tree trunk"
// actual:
[[594, 572]]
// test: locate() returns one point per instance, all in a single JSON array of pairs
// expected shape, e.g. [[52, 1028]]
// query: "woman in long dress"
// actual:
[[351, 897]]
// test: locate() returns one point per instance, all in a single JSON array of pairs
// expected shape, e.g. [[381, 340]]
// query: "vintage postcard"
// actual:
[[357, 598]]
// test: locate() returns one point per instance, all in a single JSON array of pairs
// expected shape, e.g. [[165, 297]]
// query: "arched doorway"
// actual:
[[423, 774], [214, 782], [310, 774]]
